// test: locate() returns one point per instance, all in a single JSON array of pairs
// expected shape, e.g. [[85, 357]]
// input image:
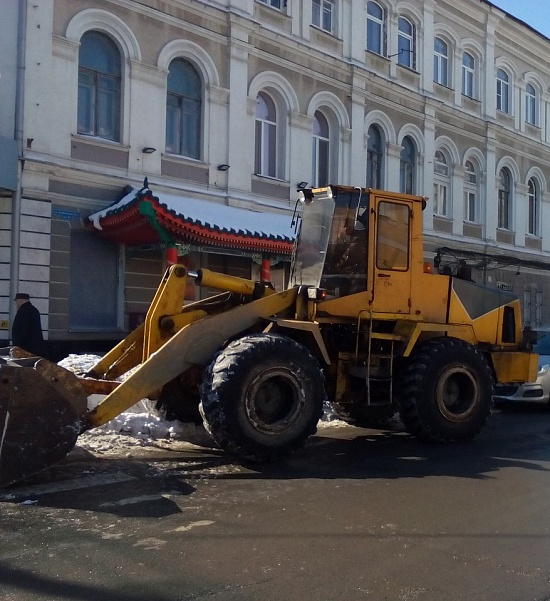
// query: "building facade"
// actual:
[[239, 102]]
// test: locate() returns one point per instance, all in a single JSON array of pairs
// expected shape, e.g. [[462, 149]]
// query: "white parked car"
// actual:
[[532, 392]]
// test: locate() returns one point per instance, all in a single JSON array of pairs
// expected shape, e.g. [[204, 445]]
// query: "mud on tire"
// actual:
[[262, 397], [445, 392]]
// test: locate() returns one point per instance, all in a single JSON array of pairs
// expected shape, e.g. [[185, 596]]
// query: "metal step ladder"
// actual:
[[388, 354]]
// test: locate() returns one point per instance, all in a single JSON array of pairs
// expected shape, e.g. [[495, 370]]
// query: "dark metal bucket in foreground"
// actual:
[[41, 405]]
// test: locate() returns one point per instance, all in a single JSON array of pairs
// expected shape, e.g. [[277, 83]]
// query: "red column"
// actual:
[[171, 255], [265, 271]]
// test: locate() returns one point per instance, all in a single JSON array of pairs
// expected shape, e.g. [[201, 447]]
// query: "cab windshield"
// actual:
[[331, 249], [312, 241]]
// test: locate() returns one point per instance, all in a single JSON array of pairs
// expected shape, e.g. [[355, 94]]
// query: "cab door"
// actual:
[[391, 261]]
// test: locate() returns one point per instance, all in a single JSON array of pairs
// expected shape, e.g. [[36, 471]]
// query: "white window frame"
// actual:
[[380, 25], [441, 62], [320, 142], [533, 197], [504, 200], [406, 44], [531, 113], [407, 169], [442, 185], [469, 76], [267, 138], [503, 92], [471, 193]]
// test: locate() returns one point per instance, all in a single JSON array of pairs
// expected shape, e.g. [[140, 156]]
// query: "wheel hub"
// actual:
[[274, 400], [457, 393]]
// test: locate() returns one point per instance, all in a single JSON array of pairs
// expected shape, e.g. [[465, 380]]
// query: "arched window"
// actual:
[[266, 136], [376, 28], [375, 157], [503, 91], [321, 155], [533, 195], [468, 75], [471, 193], [441, 184], [99, 85], [504, 199], [441, 62], [183, 110], [530, 104], [407, 183], [406, 45]]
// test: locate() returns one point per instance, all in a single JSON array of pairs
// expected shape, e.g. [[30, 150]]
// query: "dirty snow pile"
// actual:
[[135, 427]]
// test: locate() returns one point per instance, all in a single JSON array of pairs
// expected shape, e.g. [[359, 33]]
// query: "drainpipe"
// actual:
[[18, 136]]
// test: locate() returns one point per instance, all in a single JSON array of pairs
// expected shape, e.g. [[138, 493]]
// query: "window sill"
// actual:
[[269, 178], [325, 32], [505, 113], [98, 141], [376, 54], [182, 159], [444, 86], [409, 69]]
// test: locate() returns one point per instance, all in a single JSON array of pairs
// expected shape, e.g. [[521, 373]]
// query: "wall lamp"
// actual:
[[302, 185], [148, 150], [223, 167]]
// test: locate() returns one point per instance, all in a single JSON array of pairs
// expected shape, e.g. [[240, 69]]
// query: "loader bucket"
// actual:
[[41, 405]]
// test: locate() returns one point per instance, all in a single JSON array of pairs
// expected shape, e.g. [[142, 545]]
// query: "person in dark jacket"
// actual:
[[26, 331]]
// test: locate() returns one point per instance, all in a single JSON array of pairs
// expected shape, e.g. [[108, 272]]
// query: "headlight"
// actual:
[[543, 369]]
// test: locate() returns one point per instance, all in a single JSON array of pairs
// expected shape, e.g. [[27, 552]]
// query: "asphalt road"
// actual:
[[358, 514]]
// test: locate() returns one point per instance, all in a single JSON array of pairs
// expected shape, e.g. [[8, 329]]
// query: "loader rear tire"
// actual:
[[445, 393], [262, 397]]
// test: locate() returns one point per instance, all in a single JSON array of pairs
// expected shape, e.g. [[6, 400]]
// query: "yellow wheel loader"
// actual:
[[363, 325]]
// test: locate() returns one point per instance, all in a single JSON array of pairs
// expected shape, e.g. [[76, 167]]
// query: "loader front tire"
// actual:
[[445, 394], [262, 397]]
